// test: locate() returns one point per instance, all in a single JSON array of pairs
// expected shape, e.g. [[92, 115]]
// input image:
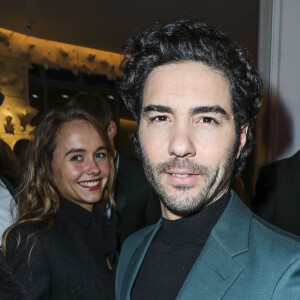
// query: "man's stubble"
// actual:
[[215, 181]]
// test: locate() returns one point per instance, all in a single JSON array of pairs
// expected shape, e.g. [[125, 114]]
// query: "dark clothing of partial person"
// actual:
[[8, 205], [174, 251], [9, 183], [70, 260], [10, 288], [137, 203], [277, 194]]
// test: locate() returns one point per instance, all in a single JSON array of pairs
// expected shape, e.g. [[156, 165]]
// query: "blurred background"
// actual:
[[50, 50]]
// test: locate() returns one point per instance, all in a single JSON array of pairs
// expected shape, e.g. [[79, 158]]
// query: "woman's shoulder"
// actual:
[[28, 258], [22, 239], [20, 236]]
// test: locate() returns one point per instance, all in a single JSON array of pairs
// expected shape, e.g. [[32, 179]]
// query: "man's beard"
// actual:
[[216, 180]]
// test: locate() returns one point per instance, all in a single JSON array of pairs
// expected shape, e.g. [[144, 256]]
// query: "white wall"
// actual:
[[279, 64]]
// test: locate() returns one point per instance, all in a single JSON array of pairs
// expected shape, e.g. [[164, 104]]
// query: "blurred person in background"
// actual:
[[9, 165], [9, 287], [277, 194], [9, 174], [20, 150], [63, 246]]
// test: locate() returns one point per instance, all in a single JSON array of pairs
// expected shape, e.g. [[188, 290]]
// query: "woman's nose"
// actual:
[[93, 167]]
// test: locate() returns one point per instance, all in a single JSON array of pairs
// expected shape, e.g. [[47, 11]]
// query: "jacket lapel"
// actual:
[[216, 270], [136, 262], [212, 274]]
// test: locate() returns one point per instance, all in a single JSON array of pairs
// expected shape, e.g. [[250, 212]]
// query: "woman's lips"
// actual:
[[91, 185]]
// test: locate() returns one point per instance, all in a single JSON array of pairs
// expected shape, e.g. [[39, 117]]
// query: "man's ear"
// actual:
[[242, 139], [112, 130]]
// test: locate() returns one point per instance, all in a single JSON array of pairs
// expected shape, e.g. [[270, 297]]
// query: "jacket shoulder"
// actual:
[[278, 255], [272, 234]]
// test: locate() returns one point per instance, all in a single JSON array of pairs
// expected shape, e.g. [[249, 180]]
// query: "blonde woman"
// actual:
[[63, 246]]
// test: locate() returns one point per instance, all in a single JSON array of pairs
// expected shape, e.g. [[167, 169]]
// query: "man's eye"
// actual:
[[76, 158], [159, 119], [208, 120]]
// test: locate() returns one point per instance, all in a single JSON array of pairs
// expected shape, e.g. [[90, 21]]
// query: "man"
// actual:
[[196, 96], [136, 202], [277, 194]]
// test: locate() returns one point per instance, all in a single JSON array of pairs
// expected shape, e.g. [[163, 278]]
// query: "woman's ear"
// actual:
[[242, 139]]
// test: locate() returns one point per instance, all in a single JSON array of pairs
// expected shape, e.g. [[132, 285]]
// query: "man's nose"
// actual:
[[181, 142]]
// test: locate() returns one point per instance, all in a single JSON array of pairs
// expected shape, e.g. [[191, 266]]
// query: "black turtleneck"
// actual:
[[174, 251]]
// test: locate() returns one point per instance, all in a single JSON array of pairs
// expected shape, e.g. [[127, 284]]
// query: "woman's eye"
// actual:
[[101, 154], [159, 119], [76, 158]]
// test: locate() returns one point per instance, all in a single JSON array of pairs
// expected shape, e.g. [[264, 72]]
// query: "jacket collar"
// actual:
[[232, 229], [79, 214]]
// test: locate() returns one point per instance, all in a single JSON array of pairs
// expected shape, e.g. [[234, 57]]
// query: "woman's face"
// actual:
[[80, 163]]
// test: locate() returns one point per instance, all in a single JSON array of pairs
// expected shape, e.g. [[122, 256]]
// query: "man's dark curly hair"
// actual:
[[191, 40]]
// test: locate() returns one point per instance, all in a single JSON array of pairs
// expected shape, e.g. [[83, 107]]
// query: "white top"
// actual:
[[8, 208]]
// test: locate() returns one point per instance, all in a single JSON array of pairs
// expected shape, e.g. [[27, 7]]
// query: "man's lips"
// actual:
[[182, 177], [181, 172]]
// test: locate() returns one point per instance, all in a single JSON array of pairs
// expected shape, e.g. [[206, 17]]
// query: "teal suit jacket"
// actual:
[[243, 258]]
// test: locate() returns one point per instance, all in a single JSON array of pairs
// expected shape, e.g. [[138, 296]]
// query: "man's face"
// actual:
[[188, 137]]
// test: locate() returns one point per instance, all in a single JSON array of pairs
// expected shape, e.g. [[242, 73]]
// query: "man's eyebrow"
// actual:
[[157, 108], [209, 109]]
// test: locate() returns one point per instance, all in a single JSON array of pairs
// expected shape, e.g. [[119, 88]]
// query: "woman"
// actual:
[[63, 246]]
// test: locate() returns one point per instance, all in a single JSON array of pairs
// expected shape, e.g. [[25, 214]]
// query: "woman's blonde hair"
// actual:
[[38, 198]]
